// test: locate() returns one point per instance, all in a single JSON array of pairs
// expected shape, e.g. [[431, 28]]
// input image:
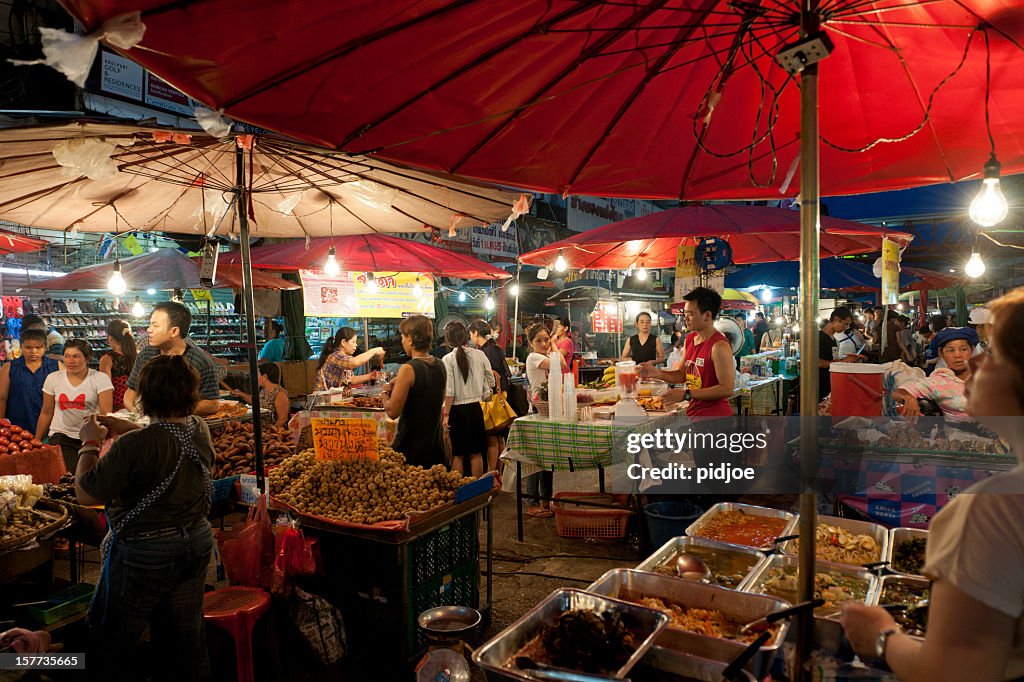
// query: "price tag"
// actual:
[[344, 439], [201, 295]]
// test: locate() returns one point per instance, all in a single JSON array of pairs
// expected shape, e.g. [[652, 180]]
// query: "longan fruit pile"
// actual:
[[363, 491]]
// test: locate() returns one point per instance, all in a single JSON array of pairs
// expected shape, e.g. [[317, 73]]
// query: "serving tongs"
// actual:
[[781, 614]]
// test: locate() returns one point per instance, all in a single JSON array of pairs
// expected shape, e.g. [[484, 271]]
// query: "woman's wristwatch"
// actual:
[[882, 640]]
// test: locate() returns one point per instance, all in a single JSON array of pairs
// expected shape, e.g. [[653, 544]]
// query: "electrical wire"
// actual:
[[538, 575]]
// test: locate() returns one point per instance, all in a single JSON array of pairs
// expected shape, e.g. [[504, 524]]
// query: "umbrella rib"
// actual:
[[982, 21], [476, 62], [341, 51], [596, 48], [425, 199], [863, 12], [652, 73], [395, 170]]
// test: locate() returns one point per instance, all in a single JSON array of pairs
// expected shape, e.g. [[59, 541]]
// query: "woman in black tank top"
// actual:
[[644, 346]]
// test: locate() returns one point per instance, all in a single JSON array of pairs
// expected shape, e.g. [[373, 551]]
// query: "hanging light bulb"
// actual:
[[151, 292], [116, 283], [641, 274], [137, 309], [331, 267], [514, 290], [417, 290], [975, 266], [560, 263], [989, 208], [766, 295], [371, 282], [462, 297], [489, 302]]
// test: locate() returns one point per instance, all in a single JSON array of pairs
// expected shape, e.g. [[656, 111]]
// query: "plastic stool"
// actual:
[[236, 610]]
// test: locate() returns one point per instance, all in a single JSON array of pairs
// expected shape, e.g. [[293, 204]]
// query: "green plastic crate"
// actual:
[[436, 554], [65, 603]]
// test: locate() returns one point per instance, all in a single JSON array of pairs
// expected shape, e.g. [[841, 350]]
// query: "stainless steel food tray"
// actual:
[[686, 666], [695, 527], [879, 533], [496, 656], [898, 535], [900, 577], [681, 543], [629, 585]]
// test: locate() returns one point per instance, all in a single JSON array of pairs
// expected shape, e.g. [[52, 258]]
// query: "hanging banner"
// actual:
[[491, 241], [350, 294], [687, 272], [890, 272], [586, 213]]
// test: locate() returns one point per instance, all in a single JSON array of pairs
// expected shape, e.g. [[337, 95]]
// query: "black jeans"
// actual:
[[155, 584], [69, 449]]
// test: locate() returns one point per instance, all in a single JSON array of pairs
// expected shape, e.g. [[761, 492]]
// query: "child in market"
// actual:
[[21, 381]]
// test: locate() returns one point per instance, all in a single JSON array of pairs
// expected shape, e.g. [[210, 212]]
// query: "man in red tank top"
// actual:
[[708, 368]]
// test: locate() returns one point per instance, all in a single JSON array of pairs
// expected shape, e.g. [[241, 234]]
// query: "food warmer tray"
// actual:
[[898, 578], [681, 543], [878, 532], [694, 529], [898, 535]]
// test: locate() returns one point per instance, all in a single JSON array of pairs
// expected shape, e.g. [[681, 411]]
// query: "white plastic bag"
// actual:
[[86, 156]]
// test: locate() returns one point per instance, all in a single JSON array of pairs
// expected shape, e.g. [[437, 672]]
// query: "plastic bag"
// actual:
[[321, 625], [296, 555], [247, 550]]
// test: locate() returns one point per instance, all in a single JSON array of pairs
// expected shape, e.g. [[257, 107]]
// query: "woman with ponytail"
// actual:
[[119, 361], [470, 380]]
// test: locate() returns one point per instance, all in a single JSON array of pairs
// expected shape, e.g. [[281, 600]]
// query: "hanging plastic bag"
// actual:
[[320, 624], [297, 553], [247, 550]]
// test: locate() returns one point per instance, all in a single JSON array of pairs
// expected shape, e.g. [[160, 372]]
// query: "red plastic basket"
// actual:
[[577, 521]]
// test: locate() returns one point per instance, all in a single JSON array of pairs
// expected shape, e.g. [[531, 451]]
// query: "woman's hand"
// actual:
[[92, 430], [379, 352], [25, 641], [444, 421], [117, 425], [863, 624], [909, 409]]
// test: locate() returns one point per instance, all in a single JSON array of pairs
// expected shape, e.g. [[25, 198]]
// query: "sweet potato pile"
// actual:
[[234, 448]]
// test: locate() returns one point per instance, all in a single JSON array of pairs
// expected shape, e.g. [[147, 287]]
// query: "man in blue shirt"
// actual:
[[273, 349]]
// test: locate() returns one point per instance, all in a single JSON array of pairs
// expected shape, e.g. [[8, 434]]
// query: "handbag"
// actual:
[[517, 399], [498, 414]]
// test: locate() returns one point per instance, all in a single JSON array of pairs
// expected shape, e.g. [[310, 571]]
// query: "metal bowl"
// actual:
[[448, 623]]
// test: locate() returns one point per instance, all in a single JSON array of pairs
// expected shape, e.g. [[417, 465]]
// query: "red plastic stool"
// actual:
[[236, 610]]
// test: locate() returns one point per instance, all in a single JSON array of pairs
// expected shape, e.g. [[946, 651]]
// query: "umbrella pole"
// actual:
[[809, 283], [515, 314], [250, 317]]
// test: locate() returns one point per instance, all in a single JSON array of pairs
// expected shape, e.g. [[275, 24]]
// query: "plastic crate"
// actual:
[[439, 552], [461, 587], [577, 521], [65, 603]]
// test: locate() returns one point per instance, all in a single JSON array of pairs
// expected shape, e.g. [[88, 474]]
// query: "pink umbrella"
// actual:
[[757, 234], [369, 252]]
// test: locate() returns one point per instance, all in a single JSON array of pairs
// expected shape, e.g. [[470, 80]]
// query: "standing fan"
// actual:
[[732, 331]]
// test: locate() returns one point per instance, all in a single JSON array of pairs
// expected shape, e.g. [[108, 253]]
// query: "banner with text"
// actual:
[[344, 439], [586, 213], [890, 272], [687, 272], [350, 294], [491, 241]]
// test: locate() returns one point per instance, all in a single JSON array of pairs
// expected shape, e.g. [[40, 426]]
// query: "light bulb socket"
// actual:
[[992, 168], [331, 252]]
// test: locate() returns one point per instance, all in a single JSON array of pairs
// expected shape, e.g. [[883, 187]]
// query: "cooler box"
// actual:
[[857, 389]]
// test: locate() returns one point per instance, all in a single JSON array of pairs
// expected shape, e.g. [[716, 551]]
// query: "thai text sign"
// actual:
[[351, 294], [890, 272], [344, 439]]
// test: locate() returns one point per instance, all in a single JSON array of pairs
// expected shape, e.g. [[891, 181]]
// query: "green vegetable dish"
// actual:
[[909, 593], [834, 587], [908, 556]]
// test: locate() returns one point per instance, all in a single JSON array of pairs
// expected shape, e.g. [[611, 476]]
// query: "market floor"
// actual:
[[524, 574]]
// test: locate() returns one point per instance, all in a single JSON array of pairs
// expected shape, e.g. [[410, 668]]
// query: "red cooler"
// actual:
[[857, 389]]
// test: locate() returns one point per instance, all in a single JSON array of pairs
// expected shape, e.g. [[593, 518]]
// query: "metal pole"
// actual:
[[250, 318], [515, 315], [809, 275]]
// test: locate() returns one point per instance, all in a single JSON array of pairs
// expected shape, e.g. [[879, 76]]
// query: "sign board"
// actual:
[[491, 241], [120, 76], [890, 272], [350, 294], [687, 272], [344, 439], [161, 95], [586, 213], [605, 318], [201, 295]]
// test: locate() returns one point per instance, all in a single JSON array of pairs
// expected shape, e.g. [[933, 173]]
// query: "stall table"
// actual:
[[536, 443], [760, 397]]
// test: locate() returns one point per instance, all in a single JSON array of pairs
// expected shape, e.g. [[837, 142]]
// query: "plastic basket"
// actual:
[[65, 603], [576, 521], [223, 488]]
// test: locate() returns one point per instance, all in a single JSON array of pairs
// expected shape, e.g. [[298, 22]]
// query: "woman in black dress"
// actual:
[[416, 395], [643, 346]]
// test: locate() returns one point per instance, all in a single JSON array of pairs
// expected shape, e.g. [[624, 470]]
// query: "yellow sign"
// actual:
[[687, 272], [344, 439], [201, 295], [890, 272], [356, 294], [132, 245]]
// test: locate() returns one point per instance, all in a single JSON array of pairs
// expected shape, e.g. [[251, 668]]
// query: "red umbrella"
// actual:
[[675, 98], [369, 252], [757, 234], [930, 279], [12, 242], [164, 269]]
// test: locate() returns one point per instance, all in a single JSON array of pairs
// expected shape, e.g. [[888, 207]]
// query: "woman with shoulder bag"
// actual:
[[479, 334], [470, 381]]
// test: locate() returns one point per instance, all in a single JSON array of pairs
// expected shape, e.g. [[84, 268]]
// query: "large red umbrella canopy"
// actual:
[[371, 253], [757, 234], [164, 269], [646, 98], [931, 279], [12, 242]]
